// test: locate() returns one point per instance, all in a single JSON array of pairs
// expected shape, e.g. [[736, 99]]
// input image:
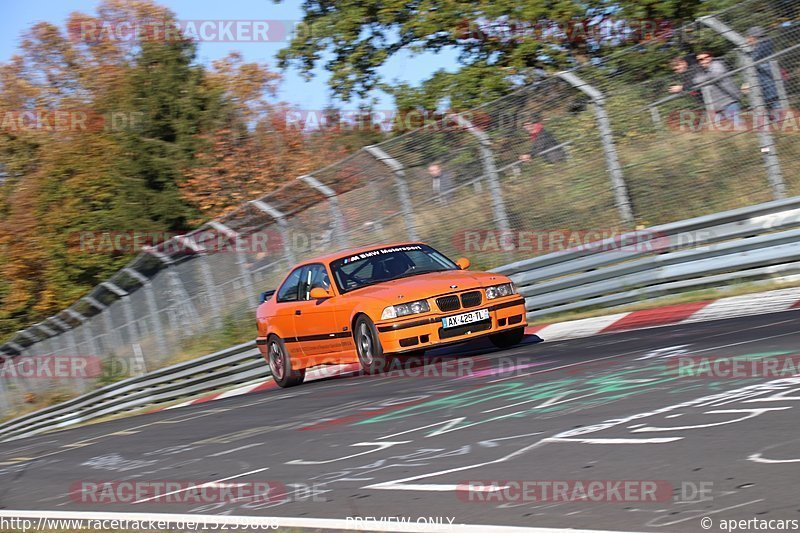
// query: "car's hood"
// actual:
[[428, 285]]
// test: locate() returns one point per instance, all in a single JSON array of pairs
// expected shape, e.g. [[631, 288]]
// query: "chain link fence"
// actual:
[[609, 146]]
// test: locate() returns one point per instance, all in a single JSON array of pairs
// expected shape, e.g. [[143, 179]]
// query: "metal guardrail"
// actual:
[[738, 244], [744, 243], [232, 366]]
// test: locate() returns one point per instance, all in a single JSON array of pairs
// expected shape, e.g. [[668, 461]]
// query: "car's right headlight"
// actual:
[[498, 291], [411, 308]]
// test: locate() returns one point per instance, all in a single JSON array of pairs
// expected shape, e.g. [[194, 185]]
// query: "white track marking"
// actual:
[[380, 446], [656, 440], [748, 304], [226, 452], [578, 328], [756, 458], [290, 522], [209, 484]]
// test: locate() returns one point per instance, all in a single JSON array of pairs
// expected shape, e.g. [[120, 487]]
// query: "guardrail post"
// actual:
[[490, 169], [241, 261], [399, 172], [152, 306], [621, 196], [280, 219], [768, 147], [339, 226]]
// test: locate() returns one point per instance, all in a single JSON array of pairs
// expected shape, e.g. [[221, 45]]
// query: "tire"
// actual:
[[368, 346], [507, 339], [280, 364]]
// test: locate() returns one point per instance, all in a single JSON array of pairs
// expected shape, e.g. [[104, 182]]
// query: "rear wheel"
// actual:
[[280, 364], [368, 346], [507, 339]]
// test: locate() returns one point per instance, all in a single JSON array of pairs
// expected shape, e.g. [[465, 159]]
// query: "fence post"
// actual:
[[280, 219], [339, 226], [777, 77], [51, 336], [126, 308], [621, 196], [68, 334], [87, 330], [152, 306], [30, 336], [187, 314], [214, 300], [241, 260], [765, 140], [490, 169], [107, 342], [399, 172]]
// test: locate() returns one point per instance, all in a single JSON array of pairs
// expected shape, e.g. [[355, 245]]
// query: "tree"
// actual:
[[500, 43]]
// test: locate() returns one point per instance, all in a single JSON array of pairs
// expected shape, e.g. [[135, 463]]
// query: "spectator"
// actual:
[[723, 94], [542, 143], [441, 179], [685, 66], [761, 47]]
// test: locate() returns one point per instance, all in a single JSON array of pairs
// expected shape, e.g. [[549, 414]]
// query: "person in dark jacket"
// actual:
[[761, 47], [441, 181], [543, 143], [685, 67]]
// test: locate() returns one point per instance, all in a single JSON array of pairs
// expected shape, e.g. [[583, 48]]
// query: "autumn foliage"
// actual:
[[166, 143]]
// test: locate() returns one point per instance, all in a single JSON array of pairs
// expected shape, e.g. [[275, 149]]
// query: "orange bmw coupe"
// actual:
[[365, 304]]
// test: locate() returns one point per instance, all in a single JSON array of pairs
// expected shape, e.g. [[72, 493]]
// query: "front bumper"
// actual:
[[417, 333]]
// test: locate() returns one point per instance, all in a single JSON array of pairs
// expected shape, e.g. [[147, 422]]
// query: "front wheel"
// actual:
[[368, 346], [507, 339], [280, 364]]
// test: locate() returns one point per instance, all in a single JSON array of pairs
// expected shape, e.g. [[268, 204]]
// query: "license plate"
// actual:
[[465, 318]]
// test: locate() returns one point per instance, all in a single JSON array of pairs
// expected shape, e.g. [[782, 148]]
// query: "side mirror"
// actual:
[[266, 295], [463, 263], [318, 293]]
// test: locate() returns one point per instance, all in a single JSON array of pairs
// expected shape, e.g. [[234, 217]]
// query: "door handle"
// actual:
[[298, 312]]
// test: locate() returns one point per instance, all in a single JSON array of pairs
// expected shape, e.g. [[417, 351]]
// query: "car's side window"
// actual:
[[313, 276], [289, 291]]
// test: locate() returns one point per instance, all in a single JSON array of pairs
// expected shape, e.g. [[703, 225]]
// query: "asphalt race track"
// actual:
[[407, 443]]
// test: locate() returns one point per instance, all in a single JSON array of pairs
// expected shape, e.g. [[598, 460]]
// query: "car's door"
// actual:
[[315, 321], [286, 302]]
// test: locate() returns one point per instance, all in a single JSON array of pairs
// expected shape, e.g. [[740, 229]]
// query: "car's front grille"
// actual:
[[471, 299], [448, 303], [457, 331]]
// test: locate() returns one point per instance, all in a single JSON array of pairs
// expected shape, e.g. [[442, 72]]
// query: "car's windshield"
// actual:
[[384, 264]]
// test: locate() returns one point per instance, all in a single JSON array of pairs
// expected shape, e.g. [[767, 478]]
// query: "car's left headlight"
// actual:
[[410, 308], [498, 291]]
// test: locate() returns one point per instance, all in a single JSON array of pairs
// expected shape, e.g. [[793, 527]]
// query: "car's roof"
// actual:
[[327, 258]]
